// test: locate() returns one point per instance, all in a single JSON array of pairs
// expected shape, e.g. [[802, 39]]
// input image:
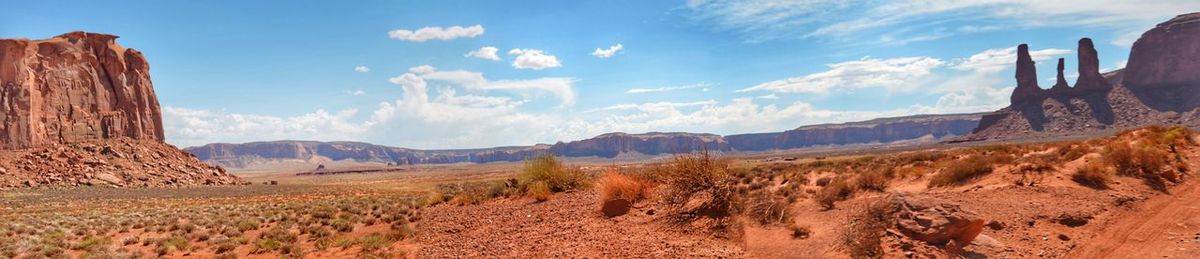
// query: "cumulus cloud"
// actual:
[[609, 52], [487, 52], [703, 86], [436, 33], [362, 69], [535, 59], [892, 74]]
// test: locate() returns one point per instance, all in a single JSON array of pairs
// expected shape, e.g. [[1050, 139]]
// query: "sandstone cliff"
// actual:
[[74, 87], [1159, 85], [79, 109]]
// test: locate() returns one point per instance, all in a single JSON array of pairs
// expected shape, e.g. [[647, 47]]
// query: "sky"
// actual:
[[471, 74]]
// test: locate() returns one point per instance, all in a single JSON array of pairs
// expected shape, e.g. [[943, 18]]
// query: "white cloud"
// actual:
[[654, 106], [759, 20], [893, 74], [995, 60], [422, 69], [359, 92], [535, 59], [560, 87], [487, 52], [362, 69], [609, 52], [702, 86], [436, 33], [768, 97]]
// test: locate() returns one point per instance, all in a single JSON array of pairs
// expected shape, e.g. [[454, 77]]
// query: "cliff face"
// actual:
[[78, 109], [1159, 85], [74, 87], [1167, 55]]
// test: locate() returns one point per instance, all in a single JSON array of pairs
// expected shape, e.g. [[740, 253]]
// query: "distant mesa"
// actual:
[[79, 109], [1160, 85], [302, 155]]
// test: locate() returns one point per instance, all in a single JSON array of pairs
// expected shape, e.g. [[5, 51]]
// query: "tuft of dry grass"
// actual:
[[615, 185], [540, 191], [1093, 175], [961, 171], [863, 236], [838, 189], [700, 174], [546, 171]]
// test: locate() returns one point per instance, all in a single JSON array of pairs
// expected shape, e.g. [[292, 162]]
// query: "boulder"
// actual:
[[934, 221], [615, 207]]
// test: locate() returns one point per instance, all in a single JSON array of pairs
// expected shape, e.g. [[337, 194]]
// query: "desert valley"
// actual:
[[1101, 168]]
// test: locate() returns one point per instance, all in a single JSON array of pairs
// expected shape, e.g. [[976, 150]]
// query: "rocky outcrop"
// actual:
[[1159, 85], [1090, 79], [883, 130], [935, 222], [1027, 81], [79, 109], [612, 144], [1060, 85], [74, 87], [1166, 55]]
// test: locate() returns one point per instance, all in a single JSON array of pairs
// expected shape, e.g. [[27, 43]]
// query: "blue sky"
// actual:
[[403, 73]]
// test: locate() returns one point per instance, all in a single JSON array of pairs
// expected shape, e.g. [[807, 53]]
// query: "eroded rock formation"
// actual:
[[1159, 86], [1027, 80], [74, 87], [79, 109]]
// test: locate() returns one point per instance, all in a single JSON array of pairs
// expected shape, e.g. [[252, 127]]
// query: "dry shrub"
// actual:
[[863, 236], [838, 189], [1144, 162], [874, 180], [1093, 175], [799, 231], [768, 209], [614, 185], [963, 170], [701, 174], [556, 176]]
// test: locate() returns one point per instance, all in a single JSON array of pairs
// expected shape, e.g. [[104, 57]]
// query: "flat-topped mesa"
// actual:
[[74, 87], [1089, 69], [1061, 85], [1166, 55], [1027, 80]]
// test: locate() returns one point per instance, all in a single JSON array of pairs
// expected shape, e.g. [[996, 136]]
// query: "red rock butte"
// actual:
[[74, 87]]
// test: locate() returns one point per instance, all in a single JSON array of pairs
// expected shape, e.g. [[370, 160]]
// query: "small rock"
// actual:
[[1063, 237]]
